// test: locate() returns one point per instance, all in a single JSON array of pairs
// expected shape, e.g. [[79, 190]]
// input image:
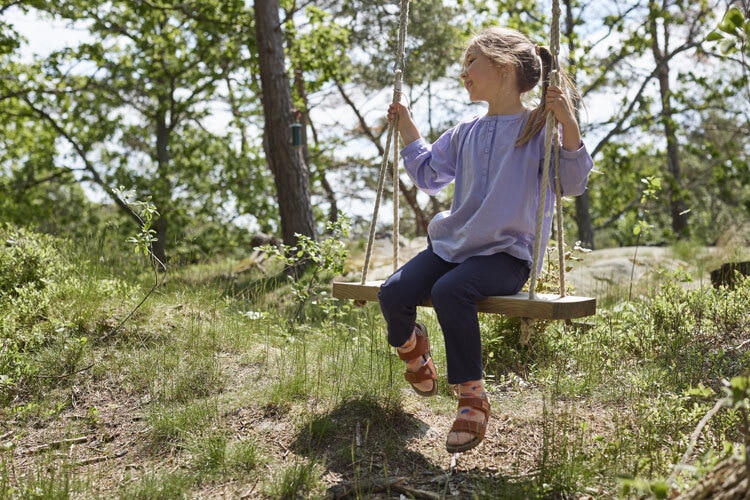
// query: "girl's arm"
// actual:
[[559, 104], [406, 126]]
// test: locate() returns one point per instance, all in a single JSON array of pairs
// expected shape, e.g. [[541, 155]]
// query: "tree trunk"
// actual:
[[286, 162], [159, 247], [164, 192], [678, 206], [583, 214], [320, 171]]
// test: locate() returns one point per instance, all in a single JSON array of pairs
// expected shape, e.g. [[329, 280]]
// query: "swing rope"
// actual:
[[551, 144], [391, 137], [552, 155]]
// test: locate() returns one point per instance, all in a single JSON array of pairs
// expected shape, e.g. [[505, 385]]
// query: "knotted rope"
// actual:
[[552, 151], [391, 137]]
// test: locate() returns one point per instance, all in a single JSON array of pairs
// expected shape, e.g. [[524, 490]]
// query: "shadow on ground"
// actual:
[[364, 447]]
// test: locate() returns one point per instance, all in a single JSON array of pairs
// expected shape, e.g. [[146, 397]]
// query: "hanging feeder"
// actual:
[[296, 128]]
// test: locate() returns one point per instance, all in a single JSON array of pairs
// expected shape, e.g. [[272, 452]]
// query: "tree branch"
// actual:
[[84, 158]]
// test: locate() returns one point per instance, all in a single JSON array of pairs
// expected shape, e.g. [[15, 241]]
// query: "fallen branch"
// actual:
[[55, 444], [6, 435], [101, 458], [374, 486], [92, 460], [66, 375]]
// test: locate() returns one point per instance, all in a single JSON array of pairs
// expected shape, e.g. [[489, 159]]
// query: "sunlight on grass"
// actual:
[[174, 422], [158, 486], [252, 383], [294, 481]]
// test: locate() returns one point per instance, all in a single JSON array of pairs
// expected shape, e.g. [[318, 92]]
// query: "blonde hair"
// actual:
[[531, 62]]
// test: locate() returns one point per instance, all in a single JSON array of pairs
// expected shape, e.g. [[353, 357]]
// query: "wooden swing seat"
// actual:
[[543, 306]]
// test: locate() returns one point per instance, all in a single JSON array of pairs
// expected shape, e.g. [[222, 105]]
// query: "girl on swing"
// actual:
[[483, 245]]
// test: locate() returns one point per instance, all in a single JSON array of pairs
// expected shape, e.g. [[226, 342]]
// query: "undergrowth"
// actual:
[[268, 387]]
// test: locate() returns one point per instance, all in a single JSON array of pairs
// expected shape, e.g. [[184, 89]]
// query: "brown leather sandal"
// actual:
[[427, 372], [477, 429]]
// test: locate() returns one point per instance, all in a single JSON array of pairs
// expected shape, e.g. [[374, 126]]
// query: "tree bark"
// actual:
[[583, 213], [164, 192], [320, 171], [678, 206], [290, 173]]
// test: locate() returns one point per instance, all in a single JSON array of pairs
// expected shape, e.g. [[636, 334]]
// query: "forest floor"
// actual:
[[378, 451]]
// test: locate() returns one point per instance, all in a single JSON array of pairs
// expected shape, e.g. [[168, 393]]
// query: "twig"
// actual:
[[415, 493], [454, 461], [694, 439], [250, 491], [92, 460], [740, 345], [55, 444], [372, 486], [6, 435], [66, 375]]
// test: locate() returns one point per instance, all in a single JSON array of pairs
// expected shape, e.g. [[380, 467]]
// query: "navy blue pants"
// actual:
[[455, 290]]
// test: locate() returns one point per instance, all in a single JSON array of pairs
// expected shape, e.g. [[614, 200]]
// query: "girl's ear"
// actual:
[[507, 72]]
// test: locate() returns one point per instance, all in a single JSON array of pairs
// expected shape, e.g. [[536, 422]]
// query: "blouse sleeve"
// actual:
[[575, 167], [432, 166]]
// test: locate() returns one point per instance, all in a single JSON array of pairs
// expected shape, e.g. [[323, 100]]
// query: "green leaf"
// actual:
[[726, 46], [735, 17], [733, 21], [714, 36]]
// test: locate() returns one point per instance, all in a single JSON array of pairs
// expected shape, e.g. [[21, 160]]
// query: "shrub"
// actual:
[[28, 261], [30, 264]]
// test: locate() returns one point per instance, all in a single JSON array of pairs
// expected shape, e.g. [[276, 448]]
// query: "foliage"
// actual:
[[620, 393], [503, 351], [144, 69], [325, 259], [31, 270], [732, 35], [610, 403], [135, 110], [49, 309], [732, 32], [146, 211]]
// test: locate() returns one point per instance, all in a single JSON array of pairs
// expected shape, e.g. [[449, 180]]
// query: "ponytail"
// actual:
[[538, 115]]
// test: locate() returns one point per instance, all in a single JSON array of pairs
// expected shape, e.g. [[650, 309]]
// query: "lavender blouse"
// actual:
[[497, 185]]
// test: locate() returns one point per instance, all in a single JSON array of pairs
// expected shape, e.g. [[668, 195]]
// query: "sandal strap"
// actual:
[[472, 427], [481, 404], [475, 428], [420, 375], [421, 348]]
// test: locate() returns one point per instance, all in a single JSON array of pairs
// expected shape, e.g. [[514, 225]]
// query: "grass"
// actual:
[[210, 390]]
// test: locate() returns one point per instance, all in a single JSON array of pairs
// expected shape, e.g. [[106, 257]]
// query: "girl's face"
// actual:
[[481, 77]]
